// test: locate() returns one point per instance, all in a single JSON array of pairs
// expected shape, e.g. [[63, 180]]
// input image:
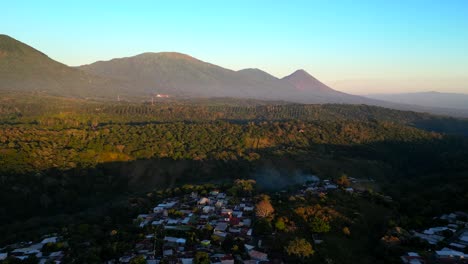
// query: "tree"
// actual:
[[343, 181], [280, 225], [138, 260], [262, 227], [264, 209], [201, 258], [318, 225], [299, 247], [346, 231]]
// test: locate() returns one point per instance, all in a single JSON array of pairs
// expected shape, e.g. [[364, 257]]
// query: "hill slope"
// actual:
[[25, 69]]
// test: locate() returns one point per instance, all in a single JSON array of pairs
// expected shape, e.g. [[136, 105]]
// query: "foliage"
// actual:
[[343, 181], [138, 260], [299, 247], [264, 209], [201, 258]]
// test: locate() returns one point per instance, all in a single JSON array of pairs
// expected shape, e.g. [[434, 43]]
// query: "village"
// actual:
[[198, 227], [216, 225], [447, 241], [207, 227], [222, 223], [50, 249]]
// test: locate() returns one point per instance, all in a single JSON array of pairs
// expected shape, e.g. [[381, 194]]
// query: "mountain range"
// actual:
[[25, 69], [179, 74], [428, 99]]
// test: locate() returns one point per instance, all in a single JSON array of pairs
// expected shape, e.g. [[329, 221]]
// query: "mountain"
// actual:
[[170, 73], [25, 69], [179, 74], [428, 99], [182, 75], [303, 81]]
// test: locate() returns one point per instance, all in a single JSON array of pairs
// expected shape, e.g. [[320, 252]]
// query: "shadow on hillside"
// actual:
[[447, 125], [56, 191]]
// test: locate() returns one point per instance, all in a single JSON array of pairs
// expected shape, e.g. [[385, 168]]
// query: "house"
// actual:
[[125, 259], [237, 214], [457, 246], [248, 247], [49, 240], [227, 259], [431, 239], [142, 216], [447, 254], [175, 240], [226, 212], [412, 258], [331, 187], [168, 252], [173, 221], [158, 209], [186, 220], [234, 221], [221, 196], [437, 230], [221, 227], [56, 255], [246, 222], [248, 208], [167, 205], [208, 209], [234, 230], [257, 255], [159, 222], [3, 256], [220, 203], [203, 201], [215, 260], [26, 252], [186, 260], [220, 234]]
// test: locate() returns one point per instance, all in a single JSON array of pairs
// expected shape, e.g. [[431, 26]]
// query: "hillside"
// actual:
[[25, 69]]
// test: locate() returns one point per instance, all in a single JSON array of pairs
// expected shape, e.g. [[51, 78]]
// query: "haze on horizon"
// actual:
[[360, 47]]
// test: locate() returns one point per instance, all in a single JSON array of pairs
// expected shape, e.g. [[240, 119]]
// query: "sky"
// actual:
[[360, 47]]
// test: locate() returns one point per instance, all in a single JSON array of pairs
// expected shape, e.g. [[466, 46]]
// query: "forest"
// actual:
[[70, 161]]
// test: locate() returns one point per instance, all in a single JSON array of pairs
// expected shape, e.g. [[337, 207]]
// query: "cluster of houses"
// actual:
[[314, 185], [450, 239], [39, 250], [216, 215]]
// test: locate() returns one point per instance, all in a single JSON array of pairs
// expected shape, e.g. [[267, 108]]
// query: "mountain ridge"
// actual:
[[427, 99], [25, 69]]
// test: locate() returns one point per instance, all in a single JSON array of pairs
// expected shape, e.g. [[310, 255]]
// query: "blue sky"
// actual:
[[354, 46]]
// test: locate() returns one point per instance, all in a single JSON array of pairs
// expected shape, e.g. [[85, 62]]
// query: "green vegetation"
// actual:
[[87, 167]]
